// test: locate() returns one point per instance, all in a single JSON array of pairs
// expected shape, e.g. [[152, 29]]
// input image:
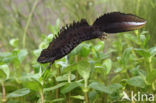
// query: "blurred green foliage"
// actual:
[[95, 71]]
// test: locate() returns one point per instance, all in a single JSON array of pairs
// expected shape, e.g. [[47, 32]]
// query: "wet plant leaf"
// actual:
[[65, 77], [136, 81], [2, 76], [106, 89], [14, 42], [32, 84], [151, 77], [69, 87], [142, 52], [152, 51], [85, 50], [84, 69], [80, 97], [108, 65], [55, 87], [125, 56], [100, 87], [57, 100], [22, 54], [4, 72], [18, 93]]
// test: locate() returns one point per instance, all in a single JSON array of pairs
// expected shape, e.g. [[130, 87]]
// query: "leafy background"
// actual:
[[96, 71]]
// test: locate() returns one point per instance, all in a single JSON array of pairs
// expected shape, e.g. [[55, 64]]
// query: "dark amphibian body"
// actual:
[[72, 35]]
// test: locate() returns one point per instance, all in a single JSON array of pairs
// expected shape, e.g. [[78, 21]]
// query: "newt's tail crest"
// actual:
[[118, 22]]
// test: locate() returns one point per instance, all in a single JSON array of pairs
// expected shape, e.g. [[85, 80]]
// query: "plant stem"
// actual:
[[138, 6], [57, 93], [76, 61], [151, 68], [150, 64], [69, 100], [42, 96], [57, 90], [69, 77], [28, 22], [86, 91], [69, 81], [86, 97], [3, 93], [153, 86], [86, 83]]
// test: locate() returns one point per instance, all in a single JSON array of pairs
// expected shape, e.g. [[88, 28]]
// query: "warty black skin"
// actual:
[[72, 35]]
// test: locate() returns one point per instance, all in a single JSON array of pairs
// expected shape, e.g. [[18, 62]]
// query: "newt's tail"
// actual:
[[118, 22]]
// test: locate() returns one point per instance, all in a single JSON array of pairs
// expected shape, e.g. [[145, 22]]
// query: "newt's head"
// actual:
[[46, 57]]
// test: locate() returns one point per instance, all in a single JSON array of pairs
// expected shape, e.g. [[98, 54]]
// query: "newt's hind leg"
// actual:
[[103, 36]]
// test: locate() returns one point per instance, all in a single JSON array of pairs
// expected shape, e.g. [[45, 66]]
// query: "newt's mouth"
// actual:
[[45, 59]]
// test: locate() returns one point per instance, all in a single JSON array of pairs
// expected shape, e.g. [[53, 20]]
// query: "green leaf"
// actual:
[[30, 76], [37, 52], [18, 93], [55, 87], [43, 45], [32, 84], [106, 55], [4, 54], [151, 77], [69, 87], [55, 29], [50, 37], [70, 68], [62, 62], [76, 50], [84, 69], [4, 72], [131, 37], [46, 74], [126, 55], [152, 51], [6, 57], [58, 22], [106, 89], [3, 76], [142, 52], [65, 77], [100, 46], [14, 42], [22, 54], [100, 87], [136, 81], [108, 65], [57, 100], [142, 38], [85, 50], [115, 87], [92, 94], [78, 97]]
